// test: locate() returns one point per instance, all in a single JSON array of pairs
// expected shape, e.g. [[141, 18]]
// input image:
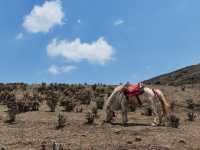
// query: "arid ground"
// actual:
[[32, 129]]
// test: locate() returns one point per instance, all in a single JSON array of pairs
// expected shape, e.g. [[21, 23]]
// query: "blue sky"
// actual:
[[77, 41]]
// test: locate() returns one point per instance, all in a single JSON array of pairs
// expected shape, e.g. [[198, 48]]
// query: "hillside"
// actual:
[[186, 75]]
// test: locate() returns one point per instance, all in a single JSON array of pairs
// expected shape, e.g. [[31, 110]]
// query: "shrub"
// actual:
[[100, 102], [173, 121], [12, 116], [94, 86], [35, 105], [173, 104], [191, 116], [148, 111], [12, 112], [43, 146], [90, 117], [84, 96], [2, 147], [68, 105], [158, 82], [93, 107], [190, 103], [132, 108], [78, 109], [61, 121], [12, 109], [52, 101], [182, 88], [52, 104]]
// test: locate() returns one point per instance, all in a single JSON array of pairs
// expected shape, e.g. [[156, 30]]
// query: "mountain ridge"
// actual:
[[182, 76]]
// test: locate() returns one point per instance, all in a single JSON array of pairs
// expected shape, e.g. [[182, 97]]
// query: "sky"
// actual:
[[93, 41]]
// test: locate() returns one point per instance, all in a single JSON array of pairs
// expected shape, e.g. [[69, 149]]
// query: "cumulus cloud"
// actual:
[[57, 70], [19, 36], [45, 17], [118, 22], [98, 52]]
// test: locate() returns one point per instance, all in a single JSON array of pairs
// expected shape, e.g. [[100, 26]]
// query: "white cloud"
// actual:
[[45, 17], [118, 22], [19, 36], [57, 70], [96, 52]]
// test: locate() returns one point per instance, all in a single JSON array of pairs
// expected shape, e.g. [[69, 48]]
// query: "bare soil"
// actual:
[[32, 129]]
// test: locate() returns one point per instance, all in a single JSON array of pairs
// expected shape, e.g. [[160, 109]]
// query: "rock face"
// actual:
[[184, 76]]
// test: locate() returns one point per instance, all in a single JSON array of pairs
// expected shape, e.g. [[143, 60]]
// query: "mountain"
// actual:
[[186, 75]]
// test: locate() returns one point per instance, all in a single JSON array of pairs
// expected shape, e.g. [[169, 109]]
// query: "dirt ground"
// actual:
[[32, 129]]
